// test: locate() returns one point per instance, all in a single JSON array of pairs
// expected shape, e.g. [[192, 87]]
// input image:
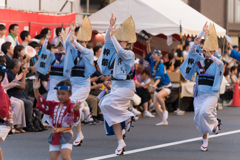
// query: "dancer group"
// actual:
[[69, 85]]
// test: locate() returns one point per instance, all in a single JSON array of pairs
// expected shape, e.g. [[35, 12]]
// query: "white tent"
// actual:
[[154, 16]]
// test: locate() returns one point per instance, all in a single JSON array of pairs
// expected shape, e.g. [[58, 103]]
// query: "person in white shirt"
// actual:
[[2, 34], [13, 34]]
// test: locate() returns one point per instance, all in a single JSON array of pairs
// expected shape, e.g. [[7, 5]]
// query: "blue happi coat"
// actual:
[[123, 64], [234, 54], [161, 72], [213, 73], [75, 58]]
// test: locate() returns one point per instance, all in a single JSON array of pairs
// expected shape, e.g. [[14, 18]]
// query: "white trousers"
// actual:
[[115, 104], [205, 113]]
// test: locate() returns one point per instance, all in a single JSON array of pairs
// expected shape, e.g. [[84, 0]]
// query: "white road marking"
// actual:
[[163, 145]]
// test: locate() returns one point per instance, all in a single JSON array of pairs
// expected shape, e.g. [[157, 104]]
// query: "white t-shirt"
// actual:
[[185, 54]]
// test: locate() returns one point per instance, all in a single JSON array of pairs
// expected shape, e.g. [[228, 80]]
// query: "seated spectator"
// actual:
[[36, 46], [177, 64], [52, 48], [2, 34], [26, 38], [227, 75], [41, 39], [18, 92], [7, 49], [169, 66], [43, 81], [234, 77], [19, 121], [142, 83]]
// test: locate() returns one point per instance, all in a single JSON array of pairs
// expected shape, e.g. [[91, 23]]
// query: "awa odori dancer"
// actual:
[[162, 84], [6, 114], [56, 63], [81, 62], [209, 78], [114, 105], [62, 116]]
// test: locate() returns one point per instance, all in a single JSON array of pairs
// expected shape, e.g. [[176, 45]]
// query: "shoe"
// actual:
[[165, 123], [89, 123], [135, 112], [120, 148], [204, 148], [43, 128], [31, 129], [96, 120], [100, 117], [165, 115], [148, 114], [217, 128]]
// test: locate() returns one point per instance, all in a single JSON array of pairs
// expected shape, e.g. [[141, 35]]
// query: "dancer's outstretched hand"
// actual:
[[113, 21], [73, 26], [197, 40], [205, 27], [48, 36]]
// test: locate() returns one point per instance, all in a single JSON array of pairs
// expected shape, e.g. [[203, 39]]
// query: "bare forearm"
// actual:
[[36, 93]]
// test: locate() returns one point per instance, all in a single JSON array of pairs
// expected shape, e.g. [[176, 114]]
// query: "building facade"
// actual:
[[225, 13]]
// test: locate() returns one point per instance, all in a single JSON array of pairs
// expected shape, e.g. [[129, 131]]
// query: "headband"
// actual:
[[67, 88], [3, 68]]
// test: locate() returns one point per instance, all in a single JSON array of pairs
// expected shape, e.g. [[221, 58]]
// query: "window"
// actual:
[[230, 10], [237, 11]]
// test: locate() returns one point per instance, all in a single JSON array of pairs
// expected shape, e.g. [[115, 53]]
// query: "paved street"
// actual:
[[34, 146]]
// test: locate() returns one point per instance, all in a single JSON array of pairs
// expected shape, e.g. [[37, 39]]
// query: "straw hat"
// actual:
[[211, 43], [64, 37], [126, 31], [85, 30]]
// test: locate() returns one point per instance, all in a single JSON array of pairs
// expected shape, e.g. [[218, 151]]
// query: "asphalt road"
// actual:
[[34, 146]]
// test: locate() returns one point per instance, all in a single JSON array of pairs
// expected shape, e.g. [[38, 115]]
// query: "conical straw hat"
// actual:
[[126, 31], [211, 43], [85, 31], [64, 37]]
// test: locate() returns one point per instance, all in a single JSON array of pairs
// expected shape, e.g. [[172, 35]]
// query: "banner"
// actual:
[[34, 22]]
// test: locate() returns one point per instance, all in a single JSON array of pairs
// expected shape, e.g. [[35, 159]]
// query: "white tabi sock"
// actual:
[[121, 144], [205, 142], [87, 115], [79, 137]]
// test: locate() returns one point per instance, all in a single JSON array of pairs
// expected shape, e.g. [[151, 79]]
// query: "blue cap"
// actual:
[[158, 52]]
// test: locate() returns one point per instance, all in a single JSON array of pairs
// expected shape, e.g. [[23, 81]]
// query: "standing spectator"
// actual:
[[185, 50], [97, 52], [18, 92], [7, 49], [45, 31], [26, 38], [58, 30], [12, 35], [2, 34]]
